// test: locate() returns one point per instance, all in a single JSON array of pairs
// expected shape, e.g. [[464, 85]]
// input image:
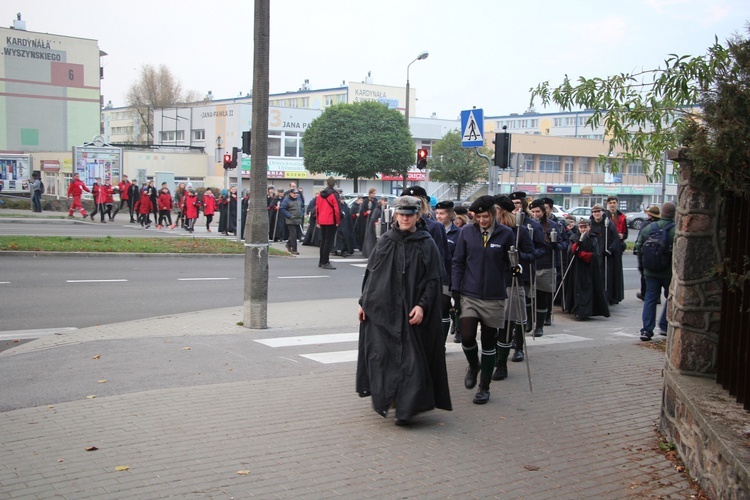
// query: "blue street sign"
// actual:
[[472, 128]]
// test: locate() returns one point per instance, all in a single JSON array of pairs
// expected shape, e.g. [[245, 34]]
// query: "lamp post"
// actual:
[[421, 56]]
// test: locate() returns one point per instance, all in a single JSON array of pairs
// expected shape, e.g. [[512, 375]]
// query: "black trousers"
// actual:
[[327, 235]]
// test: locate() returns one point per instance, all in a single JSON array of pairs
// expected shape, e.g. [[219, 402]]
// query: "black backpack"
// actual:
[[41, 186], [656, 252]]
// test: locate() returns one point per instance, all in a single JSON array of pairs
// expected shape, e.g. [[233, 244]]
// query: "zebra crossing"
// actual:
[[347, 355]]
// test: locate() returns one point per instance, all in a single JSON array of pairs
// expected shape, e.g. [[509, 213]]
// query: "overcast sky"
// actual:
[[483, 53]]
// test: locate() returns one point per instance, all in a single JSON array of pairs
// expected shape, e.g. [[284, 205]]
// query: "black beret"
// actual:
[[504, 202], [548, 201], [517, 195], [415, 191], [482, 204], [538, 203], [461, 210], [446, 205]]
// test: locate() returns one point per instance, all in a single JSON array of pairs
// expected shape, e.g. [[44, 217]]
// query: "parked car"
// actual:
[[636, 220], [558, 212], [580, 213]]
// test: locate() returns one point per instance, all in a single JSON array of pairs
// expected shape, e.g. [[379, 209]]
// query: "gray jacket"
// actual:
[[291, 209]]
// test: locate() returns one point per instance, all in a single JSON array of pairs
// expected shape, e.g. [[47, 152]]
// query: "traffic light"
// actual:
[[235, 156], [228, 161], [502, 150], [246, 136], [421, 159]]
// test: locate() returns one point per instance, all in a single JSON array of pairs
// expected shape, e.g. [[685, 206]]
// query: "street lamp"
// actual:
[[421, 56]]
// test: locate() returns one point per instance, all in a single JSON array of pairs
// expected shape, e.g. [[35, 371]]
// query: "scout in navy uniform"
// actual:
[[445, 215], [481, 274]]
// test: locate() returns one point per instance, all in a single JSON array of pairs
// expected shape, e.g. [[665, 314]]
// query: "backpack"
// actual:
[[41, 186], [656, 252]]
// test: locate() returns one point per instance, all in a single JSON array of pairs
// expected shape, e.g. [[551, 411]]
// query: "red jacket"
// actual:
[[76, 188], [143, 205], [620, 221], [209, 204], [191, 205], [123, 188], [164, 201], [108, 194], [327, 211]]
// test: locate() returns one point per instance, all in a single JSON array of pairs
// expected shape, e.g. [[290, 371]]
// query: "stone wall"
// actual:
[[708, 427]]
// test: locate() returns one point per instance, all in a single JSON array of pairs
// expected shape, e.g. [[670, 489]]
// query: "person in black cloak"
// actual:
[[360, 225], [345, 231], [584, 285], [278, 225], [243, 216], [401, 360], [371, 237], [610, 253], [270, 203], [231, 217], [222, 204], [312, 236]]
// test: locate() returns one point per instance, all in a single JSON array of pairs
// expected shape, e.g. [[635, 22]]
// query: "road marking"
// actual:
[[4, 282], [359, 265], [350, 261], [204, 279], [301, 277], [34, 334], [329, 338], [328, 358], [95, 281]]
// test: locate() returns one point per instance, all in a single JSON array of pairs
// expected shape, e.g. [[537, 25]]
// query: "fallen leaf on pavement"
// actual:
[[103, 381], [531, 467], [186, 348], [91, 397], [96, 357], [121, 468], [60, 460], [243, 472], [91, 448]]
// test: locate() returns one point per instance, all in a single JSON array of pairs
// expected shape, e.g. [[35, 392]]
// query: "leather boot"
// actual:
[[539, 330], [501, 364], [518, 336], [528, 317], [483, 394], [472, 356]]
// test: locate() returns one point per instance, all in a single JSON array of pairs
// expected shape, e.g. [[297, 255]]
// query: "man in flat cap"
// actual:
[[401, 360], [481, 274], [437, 231]]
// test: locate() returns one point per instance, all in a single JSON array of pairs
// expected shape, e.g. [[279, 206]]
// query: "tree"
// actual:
[[155, 88], [456, 165], [645, 113], [358, 140]]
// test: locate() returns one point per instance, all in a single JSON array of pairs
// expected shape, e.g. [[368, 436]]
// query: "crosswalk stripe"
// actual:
[[329, 338]]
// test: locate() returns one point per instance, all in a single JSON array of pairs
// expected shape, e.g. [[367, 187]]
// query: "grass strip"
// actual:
[[108, 244]]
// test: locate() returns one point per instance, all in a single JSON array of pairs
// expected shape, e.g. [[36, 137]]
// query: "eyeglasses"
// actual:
[[595, 211]]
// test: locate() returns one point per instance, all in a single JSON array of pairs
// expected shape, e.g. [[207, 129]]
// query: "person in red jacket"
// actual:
[[164, 202], [327, 218], [209, 207], [109, 199], [122, 188], [95, 192], [191, 204], [75, 190], [144, 208]]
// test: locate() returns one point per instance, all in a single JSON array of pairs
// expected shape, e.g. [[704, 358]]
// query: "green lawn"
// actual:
[[109, 244]]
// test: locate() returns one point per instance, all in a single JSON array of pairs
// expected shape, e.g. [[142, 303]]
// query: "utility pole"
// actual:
[[255, 303]]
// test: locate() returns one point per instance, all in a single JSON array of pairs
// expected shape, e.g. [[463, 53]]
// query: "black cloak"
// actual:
[[370, 236], [399, 363], [345, 231], [584, 284], [614, 284]]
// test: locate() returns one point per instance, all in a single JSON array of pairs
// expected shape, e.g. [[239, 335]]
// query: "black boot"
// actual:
[[540, 316], [470, 380], [483, 394], [528, 317], [501, 364], [518, 336]]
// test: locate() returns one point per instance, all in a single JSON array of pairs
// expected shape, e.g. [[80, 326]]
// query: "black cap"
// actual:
[[461, 210], [415, 191], [482, 204], [504, 202], [538, 203], [446, 205], [517, 195], [548, 201]]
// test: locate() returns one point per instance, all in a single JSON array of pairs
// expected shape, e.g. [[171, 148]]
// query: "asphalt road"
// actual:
[[72, 291]]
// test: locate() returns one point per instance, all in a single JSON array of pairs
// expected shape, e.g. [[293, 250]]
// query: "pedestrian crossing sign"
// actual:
[[472, 128]]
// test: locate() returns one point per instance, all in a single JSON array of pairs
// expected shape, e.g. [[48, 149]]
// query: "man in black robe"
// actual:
[[584, 284], [345, 231], [401, 357]]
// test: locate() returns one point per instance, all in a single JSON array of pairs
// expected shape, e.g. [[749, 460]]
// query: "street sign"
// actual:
[[472, 128]]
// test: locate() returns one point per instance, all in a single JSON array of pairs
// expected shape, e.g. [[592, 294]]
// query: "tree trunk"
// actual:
[[255, 304], [356, 184]]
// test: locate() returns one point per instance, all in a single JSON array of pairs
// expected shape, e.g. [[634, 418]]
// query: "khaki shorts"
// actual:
[[489, 312], [545, 280]]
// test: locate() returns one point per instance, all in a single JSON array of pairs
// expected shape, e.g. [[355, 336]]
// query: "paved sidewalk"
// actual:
[[586, 431]]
